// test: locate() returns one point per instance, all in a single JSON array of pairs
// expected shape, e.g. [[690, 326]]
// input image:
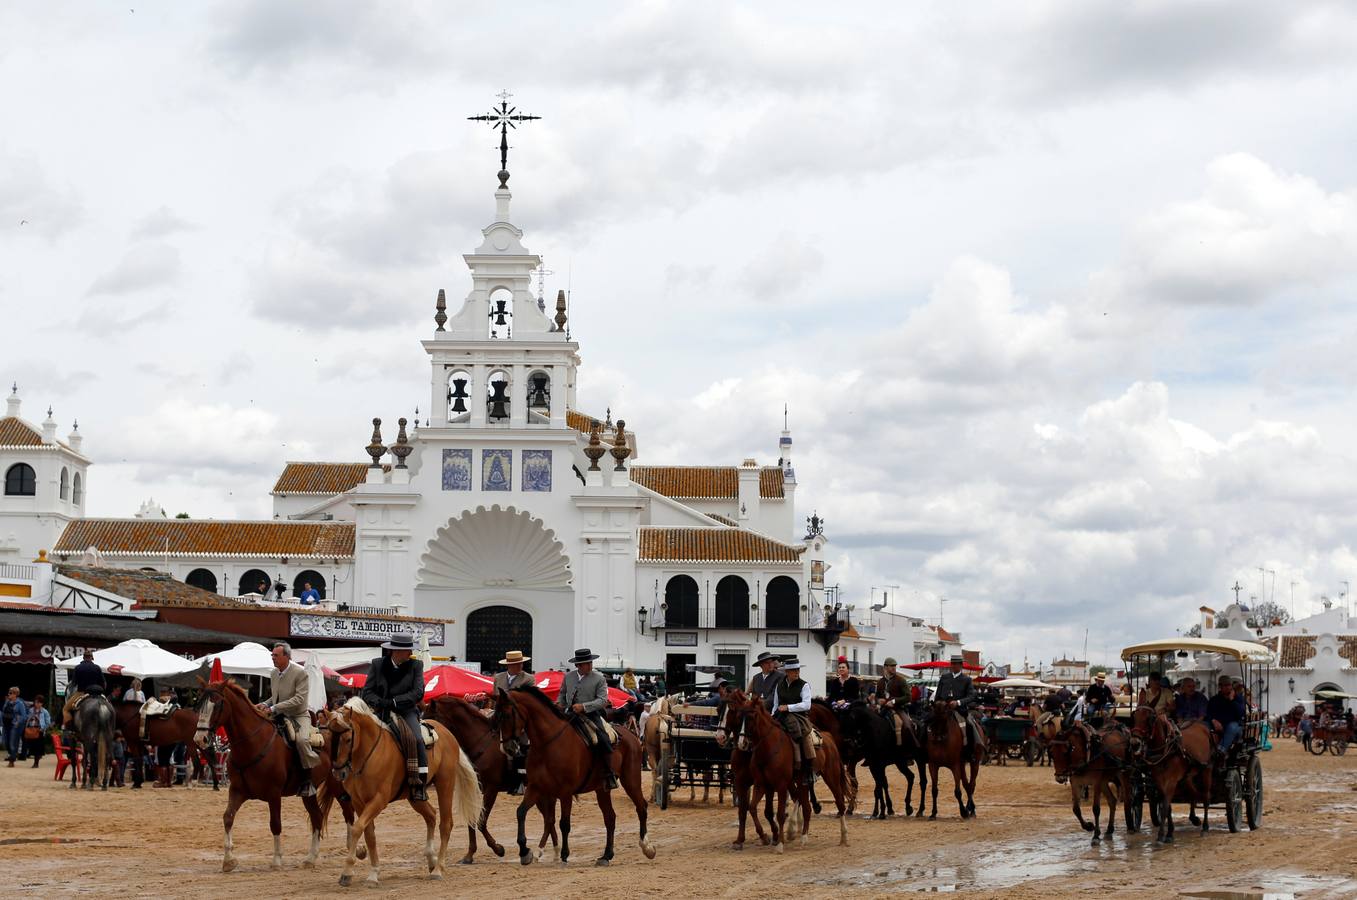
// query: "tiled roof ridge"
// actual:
[[680, 543], [209, 538]]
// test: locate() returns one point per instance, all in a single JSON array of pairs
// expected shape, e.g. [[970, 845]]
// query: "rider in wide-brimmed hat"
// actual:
[[793, 707], [513, 675], [765, 681], [395, 686], [892, 695], [956, 689], [584, 692]]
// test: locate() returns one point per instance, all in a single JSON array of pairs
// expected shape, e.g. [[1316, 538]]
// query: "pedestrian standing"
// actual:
[[13, 716], [35, 729]]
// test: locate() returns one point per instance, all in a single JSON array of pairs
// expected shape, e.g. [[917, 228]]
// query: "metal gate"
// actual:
[[493, 631]]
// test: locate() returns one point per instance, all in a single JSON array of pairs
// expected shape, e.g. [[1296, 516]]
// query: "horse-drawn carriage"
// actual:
[[1016, 736], [689, 754], [1236, 780], [1332, 733]]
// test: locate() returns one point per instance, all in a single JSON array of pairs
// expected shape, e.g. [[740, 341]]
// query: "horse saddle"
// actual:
[[400, 731], [589, 730], [288, 730], [155, 709]]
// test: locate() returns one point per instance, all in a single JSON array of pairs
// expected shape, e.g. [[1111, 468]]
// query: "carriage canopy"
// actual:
[[1029, 683], [1243, 651]]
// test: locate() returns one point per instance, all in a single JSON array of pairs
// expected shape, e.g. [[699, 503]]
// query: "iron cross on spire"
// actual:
[[1237, 588], [503, 117]]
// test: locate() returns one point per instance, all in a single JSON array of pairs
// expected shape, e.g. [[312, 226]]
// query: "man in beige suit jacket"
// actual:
[[289, 684]]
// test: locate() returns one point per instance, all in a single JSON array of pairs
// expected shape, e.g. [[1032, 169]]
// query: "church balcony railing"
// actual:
[[708, 619]]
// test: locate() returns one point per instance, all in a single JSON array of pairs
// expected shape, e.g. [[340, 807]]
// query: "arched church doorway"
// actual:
[[492, 631]]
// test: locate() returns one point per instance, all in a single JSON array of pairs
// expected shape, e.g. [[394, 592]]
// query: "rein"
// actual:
[[343, 772]]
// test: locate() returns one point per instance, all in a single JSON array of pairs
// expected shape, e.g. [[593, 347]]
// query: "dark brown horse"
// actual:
[[946, 747], [1096, 761], [1179, 759], [773, 775], [177, 728], [824, 720], [480, 743], [263, 767], [561, 765]]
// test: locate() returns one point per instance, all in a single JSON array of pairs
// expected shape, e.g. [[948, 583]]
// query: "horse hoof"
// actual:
[[345, 880], [603, 861], [372, 879], [525, 859], [275, 867], [465, 861], [228, 865], [308, 864], [435, 876], [1088, 826], [778, 848], [499, 851], [736, 845], [648, 849]]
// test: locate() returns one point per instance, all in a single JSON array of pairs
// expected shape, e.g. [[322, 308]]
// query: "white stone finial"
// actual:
[[75, 438], [12, 403], [49, 428]]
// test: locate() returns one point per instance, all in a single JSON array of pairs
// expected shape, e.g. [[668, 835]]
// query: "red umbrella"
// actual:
[[453, 681], [353, 680], [550, 682], [939, 664]]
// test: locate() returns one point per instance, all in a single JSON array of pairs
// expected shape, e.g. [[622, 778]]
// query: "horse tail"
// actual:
[[325, 800], [466, 790]]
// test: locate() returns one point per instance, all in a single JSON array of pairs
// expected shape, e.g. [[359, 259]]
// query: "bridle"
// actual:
[[511, 745], [1160, 729], [218, 702], [343, 770]]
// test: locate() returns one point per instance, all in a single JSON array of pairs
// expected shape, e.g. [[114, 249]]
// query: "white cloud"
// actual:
[[142, 268], [161, 223]]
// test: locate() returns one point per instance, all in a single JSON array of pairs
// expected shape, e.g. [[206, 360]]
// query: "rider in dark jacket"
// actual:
[[396, 685]]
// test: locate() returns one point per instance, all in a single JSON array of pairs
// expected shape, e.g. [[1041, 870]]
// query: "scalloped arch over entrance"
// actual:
[[495, 548]]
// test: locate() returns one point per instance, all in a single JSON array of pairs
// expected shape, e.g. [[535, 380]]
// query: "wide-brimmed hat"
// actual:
[[514, 656], [1101, 676], [791, 662], [582, 655], [958, 658], [766, 654], [890, 661], [403, 641]]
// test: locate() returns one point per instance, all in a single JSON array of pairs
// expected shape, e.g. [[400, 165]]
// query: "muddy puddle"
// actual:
[[42, 840], [1278, 886]]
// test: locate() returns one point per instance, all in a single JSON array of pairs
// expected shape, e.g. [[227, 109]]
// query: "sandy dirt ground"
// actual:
[[1024, 844]]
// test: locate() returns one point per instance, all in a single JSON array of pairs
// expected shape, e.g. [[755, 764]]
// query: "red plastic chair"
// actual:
[[63, 761]]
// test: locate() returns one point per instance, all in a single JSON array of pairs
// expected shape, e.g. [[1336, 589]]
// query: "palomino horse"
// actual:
[[371, 764], [478, 741], [179, 727], [561, 765], [1178, 756], [262, 767], [946, 746], [772, 772], [1093, 761], [92, 722]]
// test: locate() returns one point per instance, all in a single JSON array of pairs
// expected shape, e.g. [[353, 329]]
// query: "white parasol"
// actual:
[[245, 658], [1031, 683], [138, 658], [315, 684]]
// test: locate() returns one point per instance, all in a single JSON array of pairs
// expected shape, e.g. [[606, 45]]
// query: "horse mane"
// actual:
[[230, 685], [533, 690], [359, 705]]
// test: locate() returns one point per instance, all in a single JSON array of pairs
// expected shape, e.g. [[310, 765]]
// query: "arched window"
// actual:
[[497, 396], [782, 603], [732, 602], [65, 483], [457, 394], [311, 577], [539, 392], [680, 602], [77, 490], [255, 581], [202, 578], [21, 481]]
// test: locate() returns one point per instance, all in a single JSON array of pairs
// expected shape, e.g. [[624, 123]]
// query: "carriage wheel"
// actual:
[[1135, 807], [1253, 793], [1031, 751], [1234, 799], [1340, 747], [1317, 747]]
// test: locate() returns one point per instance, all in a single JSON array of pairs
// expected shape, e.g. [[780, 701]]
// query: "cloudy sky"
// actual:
[[1059, 294]]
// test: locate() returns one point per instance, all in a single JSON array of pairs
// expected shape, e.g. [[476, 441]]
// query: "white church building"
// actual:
[[524, 522]]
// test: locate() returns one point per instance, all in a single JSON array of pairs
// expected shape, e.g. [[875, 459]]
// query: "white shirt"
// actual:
[[803, 705]]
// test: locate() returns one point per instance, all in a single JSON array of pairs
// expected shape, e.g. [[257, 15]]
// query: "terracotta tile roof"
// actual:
[[138, 586], [705, 482], [945, 635], [582, 422], [1296, 649], [1347, 648], [712, 545], [320, 478], [15, 432], [723, 520], [208, 537], [1269, 642]]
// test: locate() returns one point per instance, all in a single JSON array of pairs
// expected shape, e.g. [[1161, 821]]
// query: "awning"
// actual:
[[940, 664], [41, 637], [138, 658]]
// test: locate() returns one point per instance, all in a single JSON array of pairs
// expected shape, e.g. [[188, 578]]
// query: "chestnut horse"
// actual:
[[478, 741], [946, 747], [371, 764], [263, 767], [772, 773], [1178, 756], [1096, 762], [561, 765]]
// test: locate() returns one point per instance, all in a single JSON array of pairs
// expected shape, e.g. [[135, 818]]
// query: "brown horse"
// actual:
[[1179, 759], [772, 775], [561, 765], [946, 747], [263, 767], [371, 764], [480, 743], [179, 727], [1093, 761]]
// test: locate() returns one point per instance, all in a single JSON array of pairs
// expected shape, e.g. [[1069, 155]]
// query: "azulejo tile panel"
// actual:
[[497, 470], [537, 470], [456, 470]]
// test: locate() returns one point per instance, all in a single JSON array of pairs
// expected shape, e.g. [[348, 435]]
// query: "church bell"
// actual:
[[499, 403], [538, 398], [458, 395]]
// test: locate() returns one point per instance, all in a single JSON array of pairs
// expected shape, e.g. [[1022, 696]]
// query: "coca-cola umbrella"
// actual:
[[453, 681], [353, 679], [550, 682]]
